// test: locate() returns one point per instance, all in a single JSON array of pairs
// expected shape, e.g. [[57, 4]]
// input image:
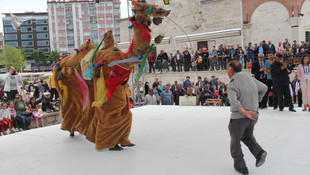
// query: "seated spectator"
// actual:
[[205, 94], [27, 97], [150, 99], [22, 111], [17, 119], [48, 104], [191, 94], [5, 120], [38, 94], [33, 107], [216, 93], [166, 96], [2, 96], [178, 93]]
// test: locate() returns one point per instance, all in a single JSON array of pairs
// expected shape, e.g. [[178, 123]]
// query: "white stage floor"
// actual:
[[170, 140]]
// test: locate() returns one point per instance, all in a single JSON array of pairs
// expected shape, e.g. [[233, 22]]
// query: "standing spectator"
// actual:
[[166, 61], [193, 61], [159, 62], [156, 82], [304, 74], [179, 59], [219, 57], [156, 93], [250, 56], [213, 81], [173, 62], [187, 60], [225, 57], [166, 96], [161, 86], [271, 91], [146, 87], [150, 99], [261, 48], [255, 52], [198, 82], [265, 46], [286, 43], [240, 55], [271, 47], [232, 52], [33, 107], [151, 60], [22, 111], [280, 48], [41, 87], [213, 58], [178, 93], [174, 87], [244, 93], [186, 83], [245, 58], [294, 45], [11, 86], [297, 91], [281, 81], [258, 70], [205, 59]]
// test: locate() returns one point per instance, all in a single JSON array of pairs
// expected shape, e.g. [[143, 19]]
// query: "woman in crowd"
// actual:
[[23, 92], [22, 110], [240, 54], [38, 94], [146, 87], [18, 120], [33, 107], [304, 75]]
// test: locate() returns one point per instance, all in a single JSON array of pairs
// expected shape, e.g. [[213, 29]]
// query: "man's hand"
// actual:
[[251, 115], [16, 73], [261, 69]]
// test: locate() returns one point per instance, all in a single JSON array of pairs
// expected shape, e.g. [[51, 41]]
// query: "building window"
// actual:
[[27, 43], [14, 44], [7, 22], [26, 29], [41, 21], [85, 12], [42, 43], [44, 50], [68, 6], [27, 36], [28, 22], [10, 37], [28, 51], [109, 3], [61, 20], [9, 29], [93, 12], [62, 34], [41, 28], [84, 5], [60, 6], [61, 27], [60, 13]]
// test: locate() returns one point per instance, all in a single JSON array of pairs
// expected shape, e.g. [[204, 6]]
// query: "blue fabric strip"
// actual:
[[129, 60]]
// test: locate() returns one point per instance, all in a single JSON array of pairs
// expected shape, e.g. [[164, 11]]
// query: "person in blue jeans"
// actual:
[[22, 112]]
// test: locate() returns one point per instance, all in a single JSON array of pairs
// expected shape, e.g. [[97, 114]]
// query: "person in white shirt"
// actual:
[[150, 99], [11, 86]]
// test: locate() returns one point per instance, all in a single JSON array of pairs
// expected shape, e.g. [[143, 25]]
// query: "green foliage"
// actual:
[[12, 56], [53, 56], [39, 57], [25, 82]]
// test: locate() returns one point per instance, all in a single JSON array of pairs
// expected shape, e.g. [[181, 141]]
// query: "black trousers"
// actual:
[[263, 103], [273, 99], [242, 130], [54, 92], [284, 91], [179, 64], [11, 95], [298, 98], [173, 66]]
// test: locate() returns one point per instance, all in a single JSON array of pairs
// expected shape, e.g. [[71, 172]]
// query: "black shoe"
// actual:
[[129, 145], [116, 148], [292, 110], [72, 134], [280, 109], [261, 158], [275, 108], [243, 171]]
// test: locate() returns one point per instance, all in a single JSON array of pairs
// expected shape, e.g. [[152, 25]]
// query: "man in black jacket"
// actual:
[[281, 81], [258, 69]]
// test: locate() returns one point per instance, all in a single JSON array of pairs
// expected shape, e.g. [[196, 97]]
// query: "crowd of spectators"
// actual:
[[21, 103], [218, 58], [168, 94]]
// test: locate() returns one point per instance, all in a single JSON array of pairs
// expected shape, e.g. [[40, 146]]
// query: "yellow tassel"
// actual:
[[63, 70], [111, 73], [69, 70], [64, 94], [101, 91]]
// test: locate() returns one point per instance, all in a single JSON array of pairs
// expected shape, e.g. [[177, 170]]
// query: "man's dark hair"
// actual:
[[269, 52], [188, 77], [235, 65], [280, 55], [199, 77]]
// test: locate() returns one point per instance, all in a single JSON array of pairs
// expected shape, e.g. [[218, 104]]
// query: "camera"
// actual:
[[14, 72]]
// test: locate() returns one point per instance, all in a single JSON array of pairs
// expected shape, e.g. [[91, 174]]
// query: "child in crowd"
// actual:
[[35, 111], [216, 93], [17, 120], [27, 97], [5, 120]]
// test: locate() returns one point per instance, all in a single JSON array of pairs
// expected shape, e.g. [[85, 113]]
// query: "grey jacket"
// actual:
[[244, 91]]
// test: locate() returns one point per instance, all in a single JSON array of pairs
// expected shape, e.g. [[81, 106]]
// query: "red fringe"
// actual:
[[127, 53]]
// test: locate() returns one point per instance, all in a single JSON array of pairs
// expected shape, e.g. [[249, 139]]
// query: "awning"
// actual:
[[209, 35]]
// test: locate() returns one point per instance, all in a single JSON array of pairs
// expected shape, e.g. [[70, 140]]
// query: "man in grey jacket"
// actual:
[[244, 93]]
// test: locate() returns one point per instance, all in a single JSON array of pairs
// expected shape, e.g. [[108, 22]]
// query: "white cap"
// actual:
[[46, 93]]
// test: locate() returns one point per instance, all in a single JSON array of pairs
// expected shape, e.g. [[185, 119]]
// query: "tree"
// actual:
[[12, 56], [39, 57], [53, 56]]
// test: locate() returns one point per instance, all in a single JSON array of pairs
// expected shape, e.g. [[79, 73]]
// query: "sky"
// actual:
[[18, 6]]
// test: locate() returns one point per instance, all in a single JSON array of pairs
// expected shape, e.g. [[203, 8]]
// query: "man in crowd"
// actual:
[[198, 82], [244, 93], [281, 81], [213, 58], [160, 60], [48, 104], [272, 99], [156, 93], [166, 96], [151, 58], [186, 83], [271, 47], [174, 87], [219, 57], [286, 43], [11, 87], [173, 62], [205, 94], [205, 61], [150, 99], [213, 81], [178, 93], [258, 69], [52, 87], [187, 60], [250, 57], [179, 59]]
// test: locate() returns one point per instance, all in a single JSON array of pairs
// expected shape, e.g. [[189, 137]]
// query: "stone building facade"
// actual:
[[204, 23]]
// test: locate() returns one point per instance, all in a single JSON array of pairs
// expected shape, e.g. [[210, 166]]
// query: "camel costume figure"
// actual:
[[92, 83]]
